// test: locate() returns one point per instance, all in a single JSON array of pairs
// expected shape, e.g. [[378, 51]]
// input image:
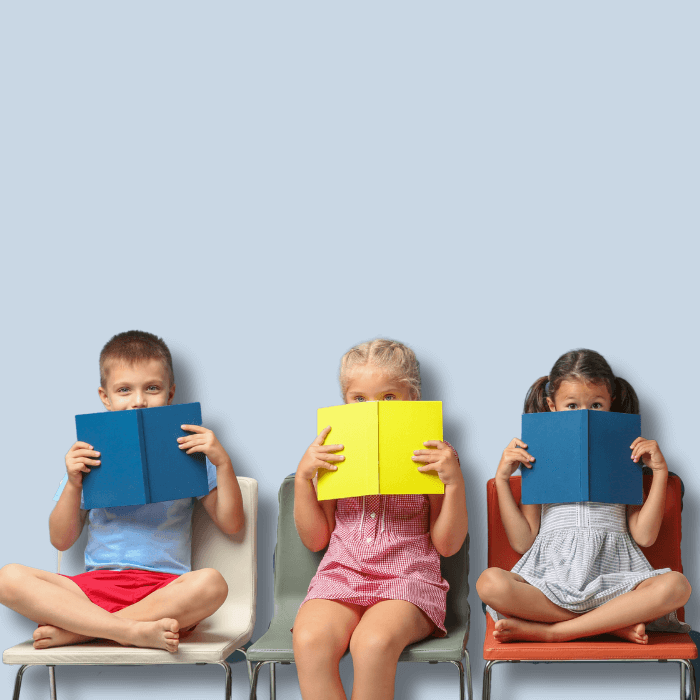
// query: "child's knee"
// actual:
[[374, 643], [315, 641], [212, 586], [492, 586], [12, 582], [678, 588]]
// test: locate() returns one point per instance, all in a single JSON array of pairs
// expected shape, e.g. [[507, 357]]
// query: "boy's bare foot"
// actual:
[[46, 636], [161, 634], [513, 629], [633, 633]]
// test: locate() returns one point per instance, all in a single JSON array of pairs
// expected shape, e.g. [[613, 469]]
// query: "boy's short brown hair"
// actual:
[[135, 346]]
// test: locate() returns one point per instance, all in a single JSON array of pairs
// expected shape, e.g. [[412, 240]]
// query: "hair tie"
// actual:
[[546, 388]]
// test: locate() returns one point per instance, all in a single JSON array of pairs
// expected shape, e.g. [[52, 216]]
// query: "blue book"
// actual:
[[140, 458], [581, 456]]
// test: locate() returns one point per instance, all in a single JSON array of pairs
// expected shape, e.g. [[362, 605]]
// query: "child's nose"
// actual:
[[140, 401]]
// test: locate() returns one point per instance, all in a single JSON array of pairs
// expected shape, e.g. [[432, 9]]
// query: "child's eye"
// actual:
[[123, 390], [597, 406], [390, 397], [571, 406], [360, 398], [154, 387]]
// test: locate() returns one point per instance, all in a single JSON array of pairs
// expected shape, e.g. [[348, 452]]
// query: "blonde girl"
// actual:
[[378, 587], [582, 572]]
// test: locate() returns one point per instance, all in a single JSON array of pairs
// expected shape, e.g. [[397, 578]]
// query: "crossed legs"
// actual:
[[65, 615], [532, 616], [376, 635]]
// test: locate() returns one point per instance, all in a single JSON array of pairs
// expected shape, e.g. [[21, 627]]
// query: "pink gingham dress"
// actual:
[[379, 550]]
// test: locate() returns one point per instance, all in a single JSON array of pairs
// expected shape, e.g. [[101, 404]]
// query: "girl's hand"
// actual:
[[319, 456], [442, 459], [513, 456], [650, 454], [205, 441], [78, 457]]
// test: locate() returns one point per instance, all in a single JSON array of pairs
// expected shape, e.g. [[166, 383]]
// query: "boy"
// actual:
[[138, 589]]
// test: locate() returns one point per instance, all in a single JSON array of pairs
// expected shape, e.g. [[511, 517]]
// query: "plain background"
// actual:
[[266, 184]]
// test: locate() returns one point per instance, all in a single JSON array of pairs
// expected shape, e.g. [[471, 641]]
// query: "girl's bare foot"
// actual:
[[46, 636], [513, 629], [633, 633], [161, 634]]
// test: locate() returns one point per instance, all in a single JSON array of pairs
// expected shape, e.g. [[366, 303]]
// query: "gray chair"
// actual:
[[214, 639], [294, 566]]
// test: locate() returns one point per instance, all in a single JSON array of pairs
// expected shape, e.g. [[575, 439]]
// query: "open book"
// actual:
[[581, 456], [140, 458], [379, 438]]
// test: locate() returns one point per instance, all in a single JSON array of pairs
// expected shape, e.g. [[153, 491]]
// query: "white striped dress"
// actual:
[[584, 556]]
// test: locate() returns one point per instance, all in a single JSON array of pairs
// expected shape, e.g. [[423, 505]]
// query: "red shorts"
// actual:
[[114, 590]]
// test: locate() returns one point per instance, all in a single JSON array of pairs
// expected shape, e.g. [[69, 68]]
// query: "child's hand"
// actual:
[[319, 456], [204, 441], [650, 454], [513, 456], [442, 459], [78, 457]]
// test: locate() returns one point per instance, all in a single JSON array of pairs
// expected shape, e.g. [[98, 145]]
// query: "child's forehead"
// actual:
[[130, 370], [372, 375]]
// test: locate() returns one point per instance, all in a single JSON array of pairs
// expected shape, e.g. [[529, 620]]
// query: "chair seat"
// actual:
[[662, 645], [276, 645], [199, 648]]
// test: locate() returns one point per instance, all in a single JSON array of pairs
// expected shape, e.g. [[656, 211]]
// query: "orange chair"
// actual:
[[665, 552]]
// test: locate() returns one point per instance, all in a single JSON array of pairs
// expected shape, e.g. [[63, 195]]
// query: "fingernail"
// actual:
[[98, 454]]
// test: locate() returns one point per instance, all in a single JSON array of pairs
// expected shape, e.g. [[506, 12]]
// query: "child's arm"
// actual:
[[521, 522], [315, 521], [223, 503], [448, 513], [645, 521], [67, 519]]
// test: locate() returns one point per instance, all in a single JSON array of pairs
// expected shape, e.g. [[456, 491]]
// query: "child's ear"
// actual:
[[550, 403], [104, 398], [171, 394]]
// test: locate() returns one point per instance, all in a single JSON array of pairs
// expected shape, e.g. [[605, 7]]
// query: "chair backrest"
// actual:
[[665, 552], [295, 566], [234, 556]]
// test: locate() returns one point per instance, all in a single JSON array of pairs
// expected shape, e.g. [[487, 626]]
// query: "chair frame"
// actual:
[[251, 518], [687, 671], [286, 524]]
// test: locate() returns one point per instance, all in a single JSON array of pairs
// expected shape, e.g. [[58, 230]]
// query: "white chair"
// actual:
[[214, 639]]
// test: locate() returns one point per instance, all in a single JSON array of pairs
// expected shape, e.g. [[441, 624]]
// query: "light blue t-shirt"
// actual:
[[154, 537]]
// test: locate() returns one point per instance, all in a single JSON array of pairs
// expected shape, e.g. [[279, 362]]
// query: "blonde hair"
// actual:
[[396, 358]]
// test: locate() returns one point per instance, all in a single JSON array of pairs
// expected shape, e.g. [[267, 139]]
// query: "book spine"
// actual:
[[376, 478], [585, 461], [144, 460]]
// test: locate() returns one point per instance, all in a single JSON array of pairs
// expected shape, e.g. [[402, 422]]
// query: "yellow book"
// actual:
[[379, 438]]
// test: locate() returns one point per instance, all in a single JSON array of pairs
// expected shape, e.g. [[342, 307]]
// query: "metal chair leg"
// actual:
[[683, 695], [52, 682], [470, 694], [687, 666], [254, 680], [460, 666], [227, 668], [273, 681], [18, 681], [486, 687]]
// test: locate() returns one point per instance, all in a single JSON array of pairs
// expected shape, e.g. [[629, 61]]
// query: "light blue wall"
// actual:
[[266, 184]]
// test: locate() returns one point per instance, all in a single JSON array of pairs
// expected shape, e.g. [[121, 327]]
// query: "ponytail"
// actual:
[[536, 399], [624, 397]]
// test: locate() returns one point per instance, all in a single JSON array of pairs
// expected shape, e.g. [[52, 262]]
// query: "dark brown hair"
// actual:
[[584, 366], [135, 346]]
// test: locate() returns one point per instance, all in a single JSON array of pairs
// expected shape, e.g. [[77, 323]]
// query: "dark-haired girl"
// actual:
[[582, 572]]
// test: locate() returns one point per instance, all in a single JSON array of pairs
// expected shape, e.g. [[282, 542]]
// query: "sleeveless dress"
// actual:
[[584, 556], [379, 550]]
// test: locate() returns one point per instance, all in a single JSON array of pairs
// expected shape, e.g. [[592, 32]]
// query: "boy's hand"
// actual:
[[78, 457], [442, 459], [319, 456], [204, 441], [650, 454]]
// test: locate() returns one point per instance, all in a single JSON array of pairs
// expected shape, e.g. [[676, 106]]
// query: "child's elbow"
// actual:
[[234, 526]]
